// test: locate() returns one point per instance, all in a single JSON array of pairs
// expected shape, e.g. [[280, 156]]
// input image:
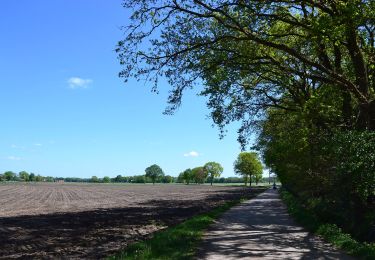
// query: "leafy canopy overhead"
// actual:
[[253, 55]]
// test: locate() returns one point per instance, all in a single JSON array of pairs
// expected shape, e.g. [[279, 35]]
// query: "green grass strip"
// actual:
[[329, 232], [178, 242]]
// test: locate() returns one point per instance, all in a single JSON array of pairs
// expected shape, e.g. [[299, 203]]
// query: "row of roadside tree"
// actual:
[[298, 75], [247, 165], [16, 177]]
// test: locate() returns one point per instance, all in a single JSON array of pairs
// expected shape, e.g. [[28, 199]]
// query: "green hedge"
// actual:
[[330, 232]]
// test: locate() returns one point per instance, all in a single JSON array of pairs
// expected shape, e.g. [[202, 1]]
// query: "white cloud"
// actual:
[[191, 154], [38, 144], [76, 82], [14, 146], [14, 158]]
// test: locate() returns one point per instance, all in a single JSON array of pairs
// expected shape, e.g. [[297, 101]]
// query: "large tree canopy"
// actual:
[[302, 73], [248, 165], [213, 169], [199, 174], [154, 172], [253, 55]]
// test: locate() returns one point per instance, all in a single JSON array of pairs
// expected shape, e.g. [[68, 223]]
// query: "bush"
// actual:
[[330, 232]]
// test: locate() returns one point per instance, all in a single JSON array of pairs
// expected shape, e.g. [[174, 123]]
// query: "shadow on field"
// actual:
[[102, 232]]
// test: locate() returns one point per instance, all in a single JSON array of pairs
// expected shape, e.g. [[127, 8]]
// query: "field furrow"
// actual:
[[86, 221]]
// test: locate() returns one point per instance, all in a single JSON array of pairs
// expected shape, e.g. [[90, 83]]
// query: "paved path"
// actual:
[[262, 229]]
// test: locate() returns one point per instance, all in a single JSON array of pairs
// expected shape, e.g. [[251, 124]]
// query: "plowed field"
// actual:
[[50, 220]]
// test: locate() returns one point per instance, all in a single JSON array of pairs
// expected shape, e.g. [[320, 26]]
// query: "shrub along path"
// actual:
[[262, 228]]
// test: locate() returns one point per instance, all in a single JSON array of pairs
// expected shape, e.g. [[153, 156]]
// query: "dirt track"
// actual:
[[94, 221]]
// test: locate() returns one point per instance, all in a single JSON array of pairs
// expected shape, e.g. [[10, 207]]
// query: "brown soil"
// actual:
[[90, 221]]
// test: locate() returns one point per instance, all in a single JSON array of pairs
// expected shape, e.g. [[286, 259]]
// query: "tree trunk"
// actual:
[[269, 177], [371, 115], [357, 59], [366, 117], [347, 108]]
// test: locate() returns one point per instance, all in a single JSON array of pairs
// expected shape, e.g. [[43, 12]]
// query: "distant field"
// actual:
[[95, 220]]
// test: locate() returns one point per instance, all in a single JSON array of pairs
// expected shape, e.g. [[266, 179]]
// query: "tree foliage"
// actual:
[[106, 179], [154, 172], [253, 55], [167, 179], [248, 165], [94, 179], [199, 175], [32, 177], [186, 176], [330, 169], [119, 178], [213, 169], [9, 176], [24, 175], [300, 73]]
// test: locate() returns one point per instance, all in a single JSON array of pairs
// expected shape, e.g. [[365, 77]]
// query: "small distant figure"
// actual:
[[274, 186]]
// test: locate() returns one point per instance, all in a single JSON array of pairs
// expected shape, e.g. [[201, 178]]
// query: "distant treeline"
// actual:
[[24, 176], [143, 179]]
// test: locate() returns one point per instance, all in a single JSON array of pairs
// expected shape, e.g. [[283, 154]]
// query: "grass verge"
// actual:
[[178, 242], [330, 232]]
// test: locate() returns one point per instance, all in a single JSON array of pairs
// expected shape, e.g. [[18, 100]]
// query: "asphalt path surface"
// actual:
[[261, 228]]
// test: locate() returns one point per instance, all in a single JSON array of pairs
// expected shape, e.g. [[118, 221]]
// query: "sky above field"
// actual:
[[65, 112]]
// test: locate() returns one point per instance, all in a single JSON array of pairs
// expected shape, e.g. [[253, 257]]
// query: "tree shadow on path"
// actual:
[[262, 228]]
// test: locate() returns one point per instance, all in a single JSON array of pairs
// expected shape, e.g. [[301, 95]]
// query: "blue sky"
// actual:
[[65, 112]]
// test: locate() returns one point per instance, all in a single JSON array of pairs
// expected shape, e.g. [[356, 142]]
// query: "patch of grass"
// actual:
[[178, 242], [336, 236], [330, 232]]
